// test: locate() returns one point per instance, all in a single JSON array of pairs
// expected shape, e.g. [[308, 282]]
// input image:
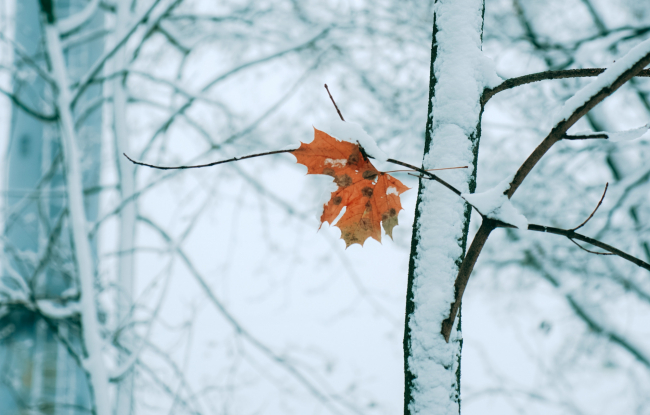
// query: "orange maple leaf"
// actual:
[[370, 197]]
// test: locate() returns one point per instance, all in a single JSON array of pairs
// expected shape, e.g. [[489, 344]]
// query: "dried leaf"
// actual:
[[371, 198]]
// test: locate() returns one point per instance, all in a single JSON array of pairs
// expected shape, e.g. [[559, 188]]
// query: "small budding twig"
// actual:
[[594, 212]]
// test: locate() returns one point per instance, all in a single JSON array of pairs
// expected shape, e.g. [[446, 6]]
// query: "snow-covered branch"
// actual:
[[574, 109], [75, 21], [547, 75]]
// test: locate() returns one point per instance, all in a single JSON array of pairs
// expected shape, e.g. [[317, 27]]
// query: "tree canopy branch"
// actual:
[[556, 134], [546, 75]]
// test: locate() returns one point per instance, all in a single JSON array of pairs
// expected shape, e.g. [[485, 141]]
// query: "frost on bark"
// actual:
[[459, 73]]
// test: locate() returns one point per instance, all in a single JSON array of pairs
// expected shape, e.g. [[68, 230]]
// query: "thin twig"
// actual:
[[335, 106], [87, 79], [444, 168], [585, 137], [23, 106], [587, 250], [569, 233], [426, 173], [465, 271], [214, 163], [594, 212]]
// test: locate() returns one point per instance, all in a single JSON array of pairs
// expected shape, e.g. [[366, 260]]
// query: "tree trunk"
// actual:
[[459, 73], [40, 372], [126, 175]]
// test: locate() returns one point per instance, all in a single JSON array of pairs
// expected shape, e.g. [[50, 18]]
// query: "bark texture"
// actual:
[[458, 77]]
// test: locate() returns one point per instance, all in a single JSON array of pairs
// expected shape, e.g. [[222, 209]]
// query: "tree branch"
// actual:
[[585, 137], [214, 163], [27, 109], [546, 75], [594, 212], [571, 234], [97, 67], [561, 127], [598, 94], [465, 270]]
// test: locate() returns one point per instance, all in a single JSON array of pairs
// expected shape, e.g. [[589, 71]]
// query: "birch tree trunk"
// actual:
[[459, 74], [39, 347], [126, 174], [92, 341]]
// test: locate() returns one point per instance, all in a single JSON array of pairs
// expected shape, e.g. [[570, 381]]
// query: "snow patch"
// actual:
[[488, 72], [56, 310], [495, 204], [353, 133], [293, 146], [627, 135], [328, 187]]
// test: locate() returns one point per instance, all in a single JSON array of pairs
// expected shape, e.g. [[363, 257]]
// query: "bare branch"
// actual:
[[556, 134], [571, 234], [24, 55], [592, 213], [464, 273], [585, 137], [27, 109], [592, 323], [214, 163], [587, 250], [97, 67], [546, 75], [77, 20], [561, 127]]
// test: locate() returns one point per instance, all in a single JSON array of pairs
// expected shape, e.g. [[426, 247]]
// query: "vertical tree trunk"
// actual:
[[459, 74], [126, 175], [39, 371], [92, 341]]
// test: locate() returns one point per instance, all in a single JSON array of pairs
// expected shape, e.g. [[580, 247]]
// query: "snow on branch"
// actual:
[[75, 21], [547, 75], [583, 101], [627, 135], [575, 108], [494, 204]]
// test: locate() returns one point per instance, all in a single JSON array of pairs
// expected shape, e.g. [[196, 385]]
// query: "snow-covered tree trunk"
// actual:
[[459, 73], [126, 174], [92, 341]]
